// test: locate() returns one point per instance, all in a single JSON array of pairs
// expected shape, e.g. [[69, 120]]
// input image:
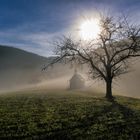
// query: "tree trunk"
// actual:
[[109, 89]]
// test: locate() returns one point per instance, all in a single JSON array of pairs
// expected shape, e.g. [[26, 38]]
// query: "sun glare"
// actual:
[[89, 29]]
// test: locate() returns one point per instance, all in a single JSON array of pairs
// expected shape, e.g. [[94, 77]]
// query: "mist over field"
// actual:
[[20, 70]]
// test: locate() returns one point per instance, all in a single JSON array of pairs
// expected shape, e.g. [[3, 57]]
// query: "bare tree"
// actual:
[[108, 56]]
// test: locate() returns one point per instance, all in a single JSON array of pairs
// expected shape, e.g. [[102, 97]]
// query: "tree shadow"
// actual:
[[92, 123], [129, 123], [124, 109]]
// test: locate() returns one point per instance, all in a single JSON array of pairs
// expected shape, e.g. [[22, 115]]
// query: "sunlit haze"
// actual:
[[89, 29], [32, 24]]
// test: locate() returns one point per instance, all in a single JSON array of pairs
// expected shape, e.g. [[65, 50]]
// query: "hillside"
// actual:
[[13, 58], [18, 67], [54, 115], [21, 69]]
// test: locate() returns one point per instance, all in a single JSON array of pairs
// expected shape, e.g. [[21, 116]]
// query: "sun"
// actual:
[[89, 29]]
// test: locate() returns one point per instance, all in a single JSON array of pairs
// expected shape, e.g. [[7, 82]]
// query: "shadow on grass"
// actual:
[[113, 122], [126, 111]]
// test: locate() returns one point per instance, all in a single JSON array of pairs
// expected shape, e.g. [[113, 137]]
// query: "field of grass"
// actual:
[[68, 115]]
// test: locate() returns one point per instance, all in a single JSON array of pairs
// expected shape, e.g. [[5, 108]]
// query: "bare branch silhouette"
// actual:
[[107, 56]]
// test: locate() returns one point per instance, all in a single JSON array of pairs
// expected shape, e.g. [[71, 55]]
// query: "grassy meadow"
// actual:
[[68, 115]]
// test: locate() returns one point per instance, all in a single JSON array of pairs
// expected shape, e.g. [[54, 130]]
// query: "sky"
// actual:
[[33, 25]]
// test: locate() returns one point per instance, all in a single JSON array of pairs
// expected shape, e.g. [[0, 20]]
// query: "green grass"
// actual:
[[68, 115]]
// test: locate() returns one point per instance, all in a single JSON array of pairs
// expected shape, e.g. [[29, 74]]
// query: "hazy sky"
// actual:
[[32, 24]]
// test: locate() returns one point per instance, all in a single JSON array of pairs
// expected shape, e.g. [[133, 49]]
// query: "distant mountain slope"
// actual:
[[13, 58], [18, 67]]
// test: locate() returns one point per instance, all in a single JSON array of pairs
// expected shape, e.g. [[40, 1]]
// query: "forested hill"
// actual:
[[19, 67], [13, 58]]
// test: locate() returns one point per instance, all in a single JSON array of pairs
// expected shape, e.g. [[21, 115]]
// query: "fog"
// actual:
[[58, 77]]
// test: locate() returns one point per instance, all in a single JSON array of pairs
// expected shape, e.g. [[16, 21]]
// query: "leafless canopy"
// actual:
[[108, 55]]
